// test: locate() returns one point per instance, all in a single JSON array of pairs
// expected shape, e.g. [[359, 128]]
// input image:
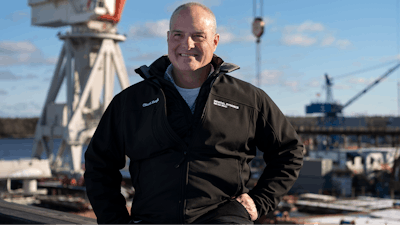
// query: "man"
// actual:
[[190, 131]]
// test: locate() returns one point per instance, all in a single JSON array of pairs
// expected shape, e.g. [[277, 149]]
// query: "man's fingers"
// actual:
[[249, 205]]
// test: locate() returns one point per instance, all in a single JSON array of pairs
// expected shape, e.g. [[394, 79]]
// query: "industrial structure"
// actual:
[[332, 110], [88, 62], [91, 58]]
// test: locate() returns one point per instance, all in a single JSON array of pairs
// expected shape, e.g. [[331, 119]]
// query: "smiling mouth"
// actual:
[[187, 55]]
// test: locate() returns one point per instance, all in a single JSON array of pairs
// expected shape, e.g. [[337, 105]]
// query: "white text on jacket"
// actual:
[[151, 103], [225, 105]]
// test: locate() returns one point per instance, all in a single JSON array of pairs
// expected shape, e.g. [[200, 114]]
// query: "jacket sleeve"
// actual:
[[283, 154], [104, 158]]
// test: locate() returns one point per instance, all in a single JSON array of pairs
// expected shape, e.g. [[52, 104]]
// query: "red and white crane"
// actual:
[[88, 62]]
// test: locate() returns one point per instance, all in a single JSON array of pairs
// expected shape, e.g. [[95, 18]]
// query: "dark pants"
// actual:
[[231, 212]]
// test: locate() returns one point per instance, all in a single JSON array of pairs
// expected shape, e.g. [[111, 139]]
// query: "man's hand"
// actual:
[[248, 203]]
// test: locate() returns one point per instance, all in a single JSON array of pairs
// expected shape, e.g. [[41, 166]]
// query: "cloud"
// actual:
[[231, 35], [7, 75], [310, 26], [17, 16], [21, 109], [227, 36], [331, 41], [208, 3], [342, 87], [298, 39], [155, 29], [52, 60], [3, 92], [292, 84], [146, 56], [30, 76], [313, 83], [270, 77], [343, 44], [307, 26], [36, 87], [22, 53], [310, 33], [327, 41], [283, 67], [17, 47], [360, 80]]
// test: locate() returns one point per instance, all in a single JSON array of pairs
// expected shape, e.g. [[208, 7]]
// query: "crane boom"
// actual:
[[370, 86]]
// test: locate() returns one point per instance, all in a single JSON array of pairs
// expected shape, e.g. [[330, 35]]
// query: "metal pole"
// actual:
[[258, 62]]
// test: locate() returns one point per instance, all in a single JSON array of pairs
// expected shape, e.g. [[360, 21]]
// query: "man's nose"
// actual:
[[188, 43]]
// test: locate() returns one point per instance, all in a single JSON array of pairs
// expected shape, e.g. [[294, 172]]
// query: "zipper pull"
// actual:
[[181, 161]]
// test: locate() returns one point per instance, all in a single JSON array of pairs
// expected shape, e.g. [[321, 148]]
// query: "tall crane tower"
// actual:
[[88, 62]]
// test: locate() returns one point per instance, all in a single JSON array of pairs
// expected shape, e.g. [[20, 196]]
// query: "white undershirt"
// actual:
[[189, 95]]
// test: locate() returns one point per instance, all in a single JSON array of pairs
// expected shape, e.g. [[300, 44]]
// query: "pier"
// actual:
[[12, 213]]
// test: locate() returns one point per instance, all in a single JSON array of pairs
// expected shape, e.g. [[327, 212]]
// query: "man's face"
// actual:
[[191, 41]]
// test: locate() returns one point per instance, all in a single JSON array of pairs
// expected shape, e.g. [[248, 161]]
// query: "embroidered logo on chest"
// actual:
[[151, 103], [225, 104]]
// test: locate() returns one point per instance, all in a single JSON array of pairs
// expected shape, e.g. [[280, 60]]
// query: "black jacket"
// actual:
[[183, 168]]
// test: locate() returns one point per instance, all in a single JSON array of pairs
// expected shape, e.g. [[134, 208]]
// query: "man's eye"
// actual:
[[198, 37], [177, 35]]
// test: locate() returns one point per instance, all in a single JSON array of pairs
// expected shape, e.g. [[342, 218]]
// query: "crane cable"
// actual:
[[258, 47], [365, 70], [398, 57], [255, 8]]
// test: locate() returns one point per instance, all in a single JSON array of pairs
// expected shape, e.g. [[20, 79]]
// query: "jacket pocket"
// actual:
[[225, 125], [140, 141], [242, 209]]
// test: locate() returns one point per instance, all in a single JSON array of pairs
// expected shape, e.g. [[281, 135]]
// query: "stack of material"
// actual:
[[313, 176]]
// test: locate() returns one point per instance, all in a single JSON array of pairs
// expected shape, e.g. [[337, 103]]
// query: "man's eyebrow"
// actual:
[[176, 31]]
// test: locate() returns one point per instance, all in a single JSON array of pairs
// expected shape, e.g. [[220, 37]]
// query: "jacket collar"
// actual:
[[158, 67]]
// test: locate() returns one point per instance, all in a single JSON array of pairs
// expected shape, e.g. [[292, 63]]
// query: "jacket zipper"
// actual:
[[181, 202], [181, 161], [185, 171]]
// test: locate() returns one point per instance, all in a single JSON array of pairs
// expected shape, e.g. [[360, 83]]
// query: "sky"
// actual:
[[302, 41]]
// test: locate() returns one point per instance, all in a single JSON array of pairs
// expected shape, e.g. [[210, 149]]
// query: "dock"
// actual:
[[12, 213]]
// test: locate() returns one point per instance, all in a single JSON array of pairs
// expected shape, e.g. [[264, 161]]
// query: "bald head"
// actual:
[[190, 5]]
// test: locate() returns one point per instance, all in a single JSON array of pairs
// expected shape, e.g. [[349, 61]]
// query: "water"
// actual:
[[13, 149]]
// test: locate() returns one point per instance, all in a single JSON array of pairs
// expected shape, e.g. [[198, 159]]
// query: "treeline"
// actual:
[[25, 127], [17, 127]]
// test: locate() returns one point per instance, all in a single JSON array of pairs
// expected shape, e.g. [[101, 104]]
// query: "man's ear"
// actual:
[[167, 35], [216, 41]]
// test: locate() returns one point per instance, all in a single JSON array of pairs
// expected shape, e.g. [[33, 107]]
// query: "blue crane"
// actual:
[[332, 109]]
